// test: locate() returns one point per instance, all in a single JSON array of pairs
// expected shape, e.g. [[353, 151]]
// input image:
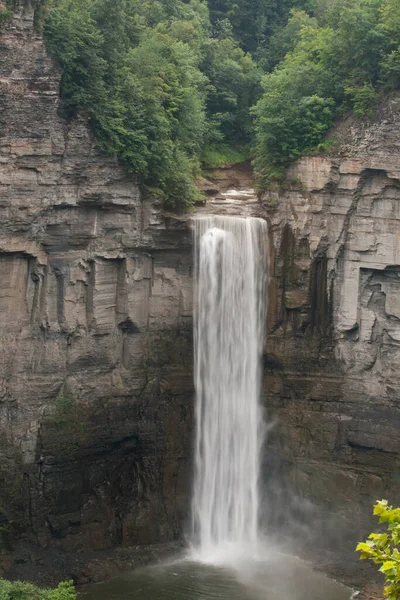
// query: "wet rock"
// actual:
[[331, 379], [95, 337]]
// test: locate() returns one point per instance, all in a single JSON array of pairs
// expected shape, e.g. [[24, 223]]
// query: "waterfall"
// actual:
[[230, 310]]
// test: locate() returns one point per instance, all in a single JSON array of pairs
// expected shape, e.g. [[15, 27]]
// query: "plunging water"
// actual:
[[230, 307], [229, 326]]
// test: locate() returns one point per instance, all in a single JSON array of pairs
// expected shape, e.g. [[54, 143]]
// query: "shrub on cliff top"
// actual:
[[383, 548], [19, 590]]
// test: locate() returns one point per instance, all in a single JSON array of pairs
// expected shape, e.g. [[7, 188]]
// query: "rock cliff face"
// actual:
[[95, 328], [96, 379], [332, 379]]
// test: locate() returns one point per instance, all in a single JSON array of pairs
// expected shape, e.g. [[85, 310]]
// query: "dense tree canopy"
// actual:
[[167, 84], [254, 21], [340, 58], [134, 67], [160, 85]]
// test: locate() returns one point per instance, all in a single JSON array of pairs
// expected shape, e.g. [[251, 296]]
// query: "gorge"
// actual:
[[96, 364]]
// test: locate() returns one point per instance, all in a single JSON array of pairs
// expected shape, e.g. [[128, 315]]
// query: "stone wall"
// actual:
[[332, 381], [95, 336]]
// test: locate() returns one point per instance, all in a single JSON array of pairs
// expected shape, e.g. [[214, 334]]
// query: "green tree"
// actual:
[[285, 39], [166, 83], [339, 59], [295, 111], [74, 39], [390, 22], [254, 21], [234, 81], [357, 46], [19, 590], [173, 89], [140, 85], [384, 548]]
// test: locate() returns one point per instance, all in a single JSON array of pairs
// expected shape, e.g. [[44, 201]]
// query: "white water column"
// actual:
[[230, 311]]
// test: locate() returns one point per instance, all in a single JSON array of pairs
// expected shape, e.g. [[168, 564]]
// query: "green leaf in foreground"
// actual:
[[383, 548]]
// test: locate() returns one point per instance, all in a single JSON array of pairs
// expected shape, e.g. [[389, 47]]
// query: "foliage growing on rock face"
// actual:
[[158, 88], [141, 87], [167, 84], [19, 590], [339, 58], [164, 83], [384, 548]]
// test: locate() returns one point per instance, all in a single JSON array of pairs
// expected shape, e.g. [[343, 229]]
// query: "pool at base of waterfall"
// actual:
[[277, 578]]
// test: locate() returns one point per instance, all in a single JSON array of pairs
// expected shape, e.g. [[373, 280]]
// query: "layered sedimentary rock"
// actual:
[[95, 334], [96, 388], [332, 378]]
